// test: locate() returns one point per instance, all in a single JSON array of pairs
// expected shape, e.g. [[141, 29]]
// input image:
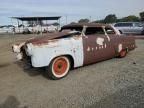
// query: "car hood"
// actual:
[[47, 37]]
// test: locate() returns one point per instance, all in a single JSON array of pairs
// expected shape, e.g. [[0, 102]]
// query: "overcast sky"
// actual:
[[74, 9]]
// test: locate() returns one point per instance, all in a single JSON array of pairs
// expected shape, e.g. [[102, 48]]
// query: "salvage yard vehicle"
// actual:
[[75, 45], [130, 27]]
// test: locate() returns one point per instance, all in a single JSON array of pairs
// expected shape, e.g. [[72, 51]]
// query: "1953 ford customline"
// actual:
[[74, 46]]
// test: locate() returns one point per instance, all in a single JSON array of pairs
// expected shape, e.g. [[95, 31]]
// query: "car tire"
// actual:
[[123, 53], [58, 68]]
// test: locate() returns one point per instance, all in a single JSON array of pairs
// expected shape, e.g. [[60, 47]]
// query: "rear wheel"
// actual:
[[123, 53], [59, 68]]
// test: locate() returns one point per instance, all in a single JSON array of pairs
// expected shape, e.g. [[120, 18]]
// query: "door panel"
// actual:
[[97, 48]]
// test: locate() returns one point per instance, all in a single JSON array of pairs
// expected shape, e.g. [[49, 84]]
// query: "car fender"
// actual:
[[43, 54]]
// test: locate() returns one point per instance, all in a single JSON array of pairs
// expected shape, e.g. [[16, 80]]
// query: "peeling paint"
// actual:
[[19, 56], [100, 41], [16, 48], [105, 46], [88, 49], [119, 47], [92, 49], [108, 38], [96, 48], [84, 49]]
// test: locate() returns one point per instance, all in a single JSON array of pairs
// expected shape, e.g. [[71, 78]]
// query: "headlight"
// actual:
[[28, 49], [16, 48]]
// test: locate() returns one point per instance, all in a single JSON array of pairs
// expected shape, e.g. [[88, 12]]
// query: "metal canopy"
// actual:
[[37, 18]]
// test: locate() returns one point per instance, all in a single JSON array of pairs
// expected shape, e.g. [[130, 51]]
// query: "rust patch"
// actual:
[[97, 47]]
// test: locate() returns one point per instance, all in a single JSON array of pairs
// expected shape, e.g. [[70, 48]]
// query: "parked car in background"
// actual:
[[74, 46], [130, 27]]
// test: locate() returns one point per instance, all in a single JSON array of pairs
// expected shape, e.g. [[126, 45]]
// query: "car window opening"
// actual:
[[94, 30]]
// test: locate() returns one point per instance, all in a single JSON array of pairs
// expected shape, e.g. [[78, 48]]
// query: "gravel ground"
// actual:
[[115, 83]]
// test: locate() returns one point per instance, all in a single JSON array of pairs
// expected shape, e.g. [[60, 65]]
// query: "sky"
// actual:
[[73, 9]]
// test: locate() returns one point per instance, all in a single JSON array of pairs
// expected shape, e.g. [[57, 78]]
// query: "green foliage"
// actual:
[[98, 21], [141, 16], [84, 21], [111, 18], [131, 18]]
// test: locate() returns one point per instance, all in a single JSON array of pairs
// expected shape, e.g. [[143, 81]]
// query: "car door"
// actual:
[[97, 46], [128, 27]]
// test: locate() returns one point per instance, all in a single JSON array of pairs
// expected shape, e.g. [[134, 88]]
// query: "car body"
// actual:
[[130, 27], [74, 46]]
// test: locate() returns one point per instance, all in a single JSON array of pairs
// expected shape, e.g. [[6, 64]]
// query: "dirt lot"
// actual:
[[115, 83]]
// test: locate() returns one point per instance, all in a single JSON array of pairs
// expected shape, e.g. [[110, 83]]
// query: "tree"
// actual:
[[111, 18], [73, 23], [84, 21], [141, 16], [132, 18], [98, 21]]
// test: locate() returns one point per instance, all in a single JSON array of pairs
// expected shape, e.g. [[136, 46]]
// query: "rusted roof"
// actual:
[[36, 18], [45, 38], [86, 24]]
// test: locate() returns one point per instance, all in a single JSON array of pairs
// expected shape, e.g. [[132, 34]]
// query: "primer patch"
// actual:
[[100, 41], [119, 47], [96, 48], [92, 49], [105, 45], [88, 49]]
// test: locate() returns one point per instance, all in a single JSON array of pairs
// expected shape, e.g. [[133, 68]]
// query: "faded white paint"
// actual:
[[16, 48], [119, 47], [100, 41], [19, 56], [92, 49], [88, 49], [96, 48], [108, 37], [106, 33], [105, 45], [42, 55]]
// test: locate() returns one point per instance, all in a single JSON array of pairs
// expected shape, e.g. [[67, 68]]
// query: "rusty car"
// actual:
[[75, 45]]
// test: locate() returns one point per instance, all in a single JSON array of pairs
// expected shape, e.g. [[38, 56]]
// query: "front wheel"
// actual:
[[58, 68]]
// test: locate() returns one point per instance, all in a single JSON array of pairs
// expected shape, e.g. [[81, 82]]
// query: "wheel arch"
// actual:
[[70, 57]]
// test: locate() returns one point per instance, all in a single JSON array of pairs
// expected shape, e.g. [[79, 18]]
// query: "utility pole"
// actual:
[[66, 19], [90, 18]]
